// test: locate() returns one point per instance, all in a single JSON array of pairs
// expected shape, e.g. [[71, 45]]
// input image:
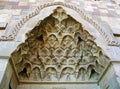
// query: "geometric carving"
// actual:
[[109, 38], [59, 49]]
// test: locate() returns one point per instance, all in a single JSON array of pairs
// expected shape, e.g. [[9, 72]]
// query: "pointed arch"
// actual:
[[52, 59], [109, 38]]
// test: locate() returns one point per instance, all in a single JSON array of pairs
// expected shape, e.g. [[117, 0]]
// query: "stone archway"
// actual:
[[59, 50], [108, 36], [63, 50]]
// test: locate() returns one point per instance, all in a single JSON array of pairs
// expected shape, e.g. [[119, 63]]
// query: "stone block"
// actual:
[[109, 81]]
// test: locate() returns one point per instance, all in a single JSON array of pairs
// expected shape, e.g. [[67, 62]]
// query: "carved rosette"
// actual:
[[59, 49]]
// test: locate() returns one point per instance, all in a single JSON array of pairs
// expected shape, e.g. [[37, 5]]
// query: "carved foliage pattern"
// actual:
[[59, 49]]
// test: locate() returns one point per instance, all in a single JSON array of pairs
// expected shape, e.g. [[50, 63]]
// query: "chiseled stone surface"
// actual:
[[59, 49], [6, 77], [105, 12], [3, 66], [59, 86], [109, 81], [6, 48], [117, 70]]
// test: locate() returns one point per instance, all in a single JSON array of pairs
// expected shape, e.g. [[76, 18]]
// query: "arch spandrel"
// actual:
[[59, 49]]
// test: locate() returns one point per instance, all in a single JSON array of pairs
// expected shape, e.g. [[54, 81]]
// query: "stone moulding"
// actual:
[[109, 38]]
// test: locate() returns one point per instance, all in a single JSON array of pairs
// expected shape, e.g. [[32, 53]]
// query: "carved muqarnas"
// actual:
[[59, 49]]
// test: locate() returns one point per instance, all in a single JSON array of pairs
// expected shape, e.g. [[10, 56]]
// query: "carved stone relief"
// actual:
[[59, 49], [108, 36]]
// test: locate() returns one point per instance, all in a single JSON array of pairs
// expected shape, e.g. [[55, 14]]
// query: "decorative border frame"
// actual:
[[109, 38]]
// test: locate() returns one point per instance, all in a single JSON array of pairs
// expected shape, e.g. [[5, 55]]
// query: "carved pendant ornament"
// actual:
[[59, 49]]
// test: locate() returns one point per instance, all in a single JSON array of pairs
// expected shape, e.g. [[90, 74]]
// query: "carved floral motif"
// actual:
[[59, 49]]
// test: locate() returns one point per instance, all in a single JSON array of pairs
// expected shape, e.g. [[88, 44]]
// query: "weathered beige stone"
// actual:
[[59, 46]]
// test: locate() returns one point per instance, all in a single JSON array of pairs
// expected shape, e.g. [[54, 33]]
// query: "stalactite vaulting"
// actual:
[[59, 49]]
